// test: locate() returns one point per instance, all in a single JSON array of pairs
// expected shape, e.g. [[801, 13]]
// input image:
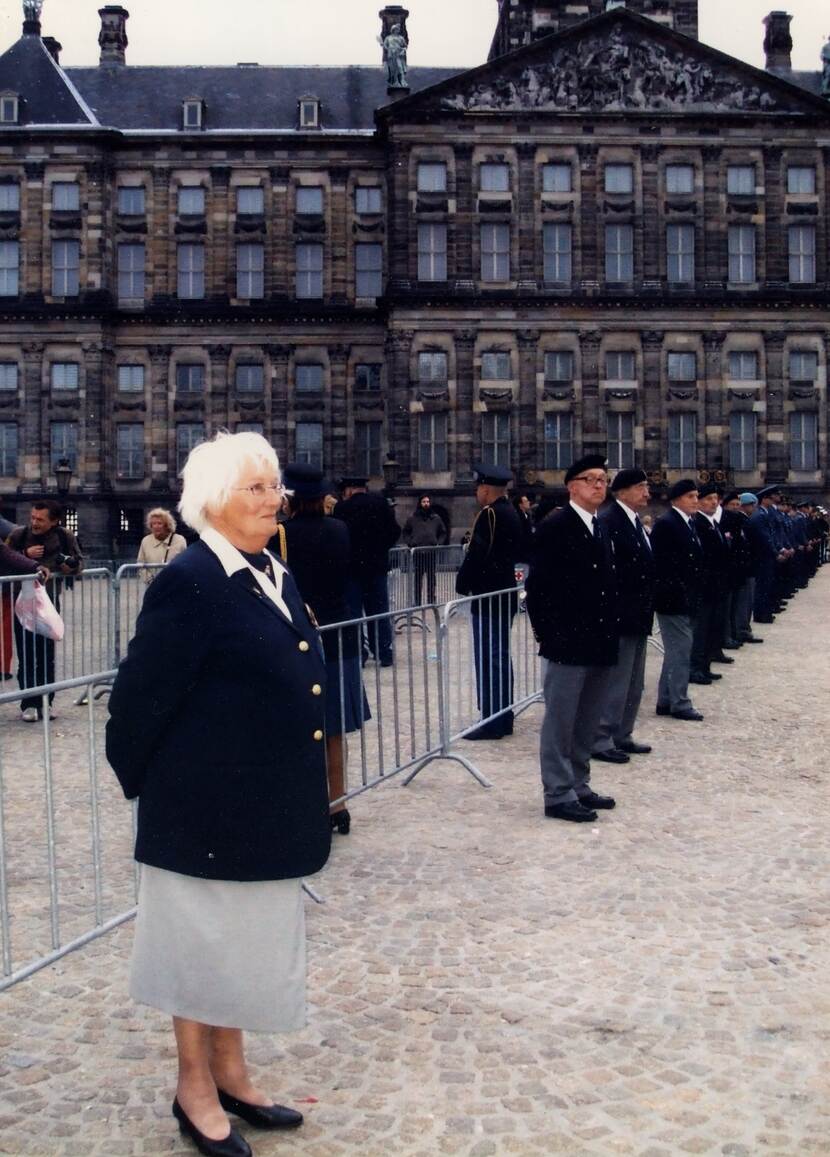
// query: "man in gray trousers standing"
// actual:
[[572, 603]]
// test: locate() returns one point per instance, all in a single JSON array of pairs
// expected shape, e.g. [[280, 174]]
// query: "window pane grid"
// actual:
[[620, 441], [741, 254], [557, 178], [495, 367], [680, 253], [65, 268], [432, 177], [250, 201], [131, 200], [64, 444], [803, 365], [367, 376], [432, 252], [367, 447], [8, 375], [558, 441], [682, 367], [682, 441], [620, 366], [130, 378], [190, 378], [803, 440], [494, 178], [131, 272], [619, 253], [8, 449], [432, 367], [368, 261], [557, 241], [9, 268], [743, 366], [801, 179], [559, 366], [619, 179], [65, 375], [432, 442], [367, 199], [495, 438], [680, 179], [250, 378], [188, 435], [740, 179], [742, 428], [802, 253], [66, 196], [309, 443], [250, 271], [309, 271], [191, 272], [130, 450], [9, 198], [309, 379], [191, 202], [495, 252]]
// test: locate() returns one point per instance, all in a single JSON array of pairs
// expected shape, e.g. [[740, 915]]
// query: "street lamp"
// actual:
[[390, 476], [63, 476]]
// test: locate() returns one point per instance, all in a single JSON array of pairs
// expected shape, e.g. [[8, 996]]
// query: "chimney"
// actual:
[[113, 35], [53, 47], [778, 44]]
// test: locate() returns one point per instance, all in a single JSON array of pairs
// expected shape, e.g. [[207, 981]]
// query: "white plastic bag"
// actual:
[[36, 612]]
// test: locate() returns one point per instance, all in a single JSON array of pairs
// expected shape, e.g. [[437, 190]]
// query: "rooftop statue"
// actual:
[[825, 70], [394, 55], [32, 9]]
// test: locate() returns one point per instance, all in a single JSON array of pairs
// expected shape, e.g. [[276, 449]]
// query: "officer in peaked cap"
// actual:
[[769, 550], [497, 543]]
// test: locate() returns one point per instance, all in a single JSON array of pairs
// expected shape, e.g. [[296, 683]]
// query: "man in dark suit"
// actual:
[[707, 641], [679, 560], [636, 579], [733, 525], [769, 550], [572, 603], [496, 545]]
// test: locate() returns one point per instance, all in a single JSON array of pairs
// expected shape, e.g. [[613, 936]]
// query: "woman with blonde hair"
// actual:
[[162, 544]]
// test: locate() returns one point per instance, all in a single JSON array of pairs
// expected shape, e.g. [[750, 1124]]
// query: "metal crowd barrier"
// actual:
[[129, 587]]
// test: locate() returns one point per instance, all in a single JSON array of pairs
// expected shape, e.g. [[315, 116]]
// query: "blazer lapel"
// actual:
[[249, 584]]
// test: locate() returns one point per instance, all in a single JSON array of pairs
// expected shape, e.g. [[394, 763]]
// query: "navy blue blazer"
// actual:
[[635, 570], [678, 557], [216, 724]]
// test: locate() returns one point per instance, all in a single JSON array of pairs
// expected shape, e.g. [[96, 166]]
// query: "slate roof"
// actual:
[[28, 69]]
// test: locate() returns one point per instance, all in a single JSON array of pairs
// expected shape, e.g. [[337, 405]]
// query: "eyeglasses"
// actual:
[[260, 489], [592, 479]]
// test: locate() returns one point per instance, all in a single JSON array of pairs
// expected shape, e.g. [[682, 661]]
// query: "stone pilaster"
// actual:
[[649, 402], [466, 421], [339, 448], [34, 442], [398, 350], [713, 410], [529, 452], [591, 428]]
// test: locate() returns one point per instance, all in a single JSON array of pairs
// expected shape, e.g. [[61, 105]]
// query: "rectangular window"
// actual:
[[65, 375], [190, 378], [8, 110], [680, 179], [129, 450], [801, 179], [309, 114], [495, 252], [619, 179], [192, 114], [680, 254], [432, 442], [250, 201], [9, 268], [309, 199], [66, 261], [9, 198], [682, 441], [8, 449], [309, 276], [802, 253], [743, 366], [495, 438], [130, 379], [619, 253], [742, 435], [559, 366], [682, 367], [621, 366], [557, 241], [8, 375], [368, 270], [557, 178], [250, 271], [558, 441], [741, 254], [188, 435], [367, 437], [495, 367], [620, 441], [64, 444], [740, 179], [249, 428], [367, 199], [131, 272], [191, 272], [494, 178], [803, 440], [131, 200], [367, 376], [432, 177], [432, 252], [803, 366], [66, 196], [432, 368], [250, 378], [308, 379], [309, 443], [191, 201]]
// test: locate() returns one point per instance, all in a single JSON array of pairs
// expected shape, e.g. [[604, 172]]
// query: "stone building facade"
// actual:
[[607, 237]]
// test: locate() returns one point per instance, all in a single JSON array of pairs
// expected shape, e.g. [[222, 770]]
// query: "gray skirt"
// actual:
[[221, 952]]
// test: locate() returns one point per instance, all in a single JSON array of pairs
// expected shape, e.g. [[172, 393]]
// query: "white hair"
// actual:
[[166, 517], [213, 469]]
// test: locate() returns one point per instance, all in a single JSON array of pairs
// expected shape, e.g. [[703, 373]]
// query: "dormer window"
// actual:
[[193, 114], [9, 108], [309, 113]]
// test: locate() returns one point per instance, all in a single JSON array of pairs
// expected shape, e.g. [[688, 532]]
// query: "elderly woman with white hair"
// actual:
[[216, 726], [162, 544]]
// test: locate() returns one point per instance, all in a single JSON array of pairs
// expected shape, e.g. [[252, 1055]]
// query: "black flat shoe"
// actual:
[[233, 1145], [574, 812], [261, 1116], [340, 822], [632, 748], [594, 802], [612, 755]]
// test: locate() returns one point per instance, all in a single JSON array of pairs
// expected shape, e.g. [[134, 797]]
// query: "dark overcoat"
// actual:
[[635, 570], [496, 545], [216, 724], [679, 561], [318, 554], [373, 532], [572, 593]]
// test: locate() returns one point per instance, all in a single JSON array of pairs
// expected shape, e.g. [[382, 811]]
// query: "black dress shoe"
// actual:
[[340, 822], [703, 680], [764, 618], [594, 802], [732, 645], [662, 709], [574, 812], [261, 1116], [753, 639], [612, 755], [713, 675], [632, 748], [721, 658], [234, 1145], [487, 731], [687, 713]]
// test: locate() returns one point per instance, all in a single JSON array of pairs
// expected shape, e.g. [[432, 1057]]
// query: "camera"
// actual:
[[66, 560]]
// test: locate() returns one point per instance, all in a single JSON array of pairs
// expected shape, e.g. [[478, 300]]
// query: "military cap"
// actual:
[[803, 505], [589, 462], [748, 498], [353, 480], [684, 486], [489, 474], [305, 481], [625, 478], [730, 496], [707, 489], [768, 491]]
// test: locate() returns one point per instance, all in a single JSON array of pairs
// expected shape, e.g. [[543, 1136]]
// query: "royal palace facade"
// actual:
[[607, 237]]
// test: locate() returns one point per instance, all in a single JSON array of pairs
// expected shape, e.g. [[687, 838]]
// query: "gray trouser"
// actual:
[[624, 692], [574, 697], [742, 609], [677, 632]]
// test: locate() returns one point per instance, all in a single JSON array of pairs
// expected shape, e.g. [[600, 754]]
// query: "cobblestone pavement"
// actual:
[[483, 981]]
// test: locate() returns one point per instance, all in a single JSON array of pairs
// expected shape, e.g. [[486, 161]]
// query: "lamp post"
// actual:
[[390, 477], [63, 476]]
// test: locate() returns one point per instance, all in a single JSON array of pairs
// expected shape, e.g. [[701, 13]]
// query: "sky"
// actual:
[[441, 32]]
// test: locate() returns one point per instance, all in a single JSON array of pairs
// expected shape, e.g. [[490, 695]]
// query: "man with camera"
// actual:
[[56, 549]]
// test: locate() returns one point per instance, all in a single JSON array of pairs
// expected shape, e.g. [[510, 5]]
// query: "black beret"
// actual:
[[305, 481], [489, 474], [707, 489], [625, 478], [589, 462], [684, 486], [730, 496]]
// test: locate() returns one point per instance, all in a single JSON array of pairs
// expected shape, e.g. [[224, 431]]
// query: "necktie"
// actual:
[[641, 534], [695, 538], [595, 527]]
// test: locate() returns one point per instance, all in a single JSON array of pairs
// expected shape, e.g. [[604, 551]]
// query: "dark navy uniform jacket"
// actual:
[[373, 532], [497, 543], [714, 579], [679, 560], [635, 571], [216, 724]]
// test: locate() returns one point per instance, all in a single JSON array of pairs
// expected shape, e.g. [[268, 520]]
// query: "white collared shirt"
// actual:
[[233, 561], [586, 517], [685, 517], [718, 515]]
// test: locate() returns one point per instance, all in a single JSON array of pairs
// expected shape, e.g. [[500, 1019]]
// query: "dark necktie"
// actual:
[[695, 538], [641, 534], [595, 528]]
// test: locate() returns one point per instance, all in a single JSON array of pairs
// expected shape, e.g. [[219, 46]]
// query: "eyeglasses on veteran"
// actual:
[[591, 479], [260, 489]]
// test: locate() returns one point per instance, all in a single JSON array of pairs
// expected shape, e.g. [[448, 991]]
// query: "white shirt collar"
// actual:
[[233, 561], [585, 515], [632, 514], [718, 515], [711, 517], [685, 517]]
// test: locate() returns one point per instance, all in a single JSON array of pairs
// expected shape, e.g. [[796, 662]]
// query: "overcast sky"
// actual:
[[442, 32]]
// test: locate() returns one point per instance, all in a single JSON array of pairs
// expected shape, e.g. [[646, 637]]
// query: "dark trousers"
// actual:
[[424, 568], [35, 663], [369, 595], [492, 619], [706, 637], [765, 584]]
